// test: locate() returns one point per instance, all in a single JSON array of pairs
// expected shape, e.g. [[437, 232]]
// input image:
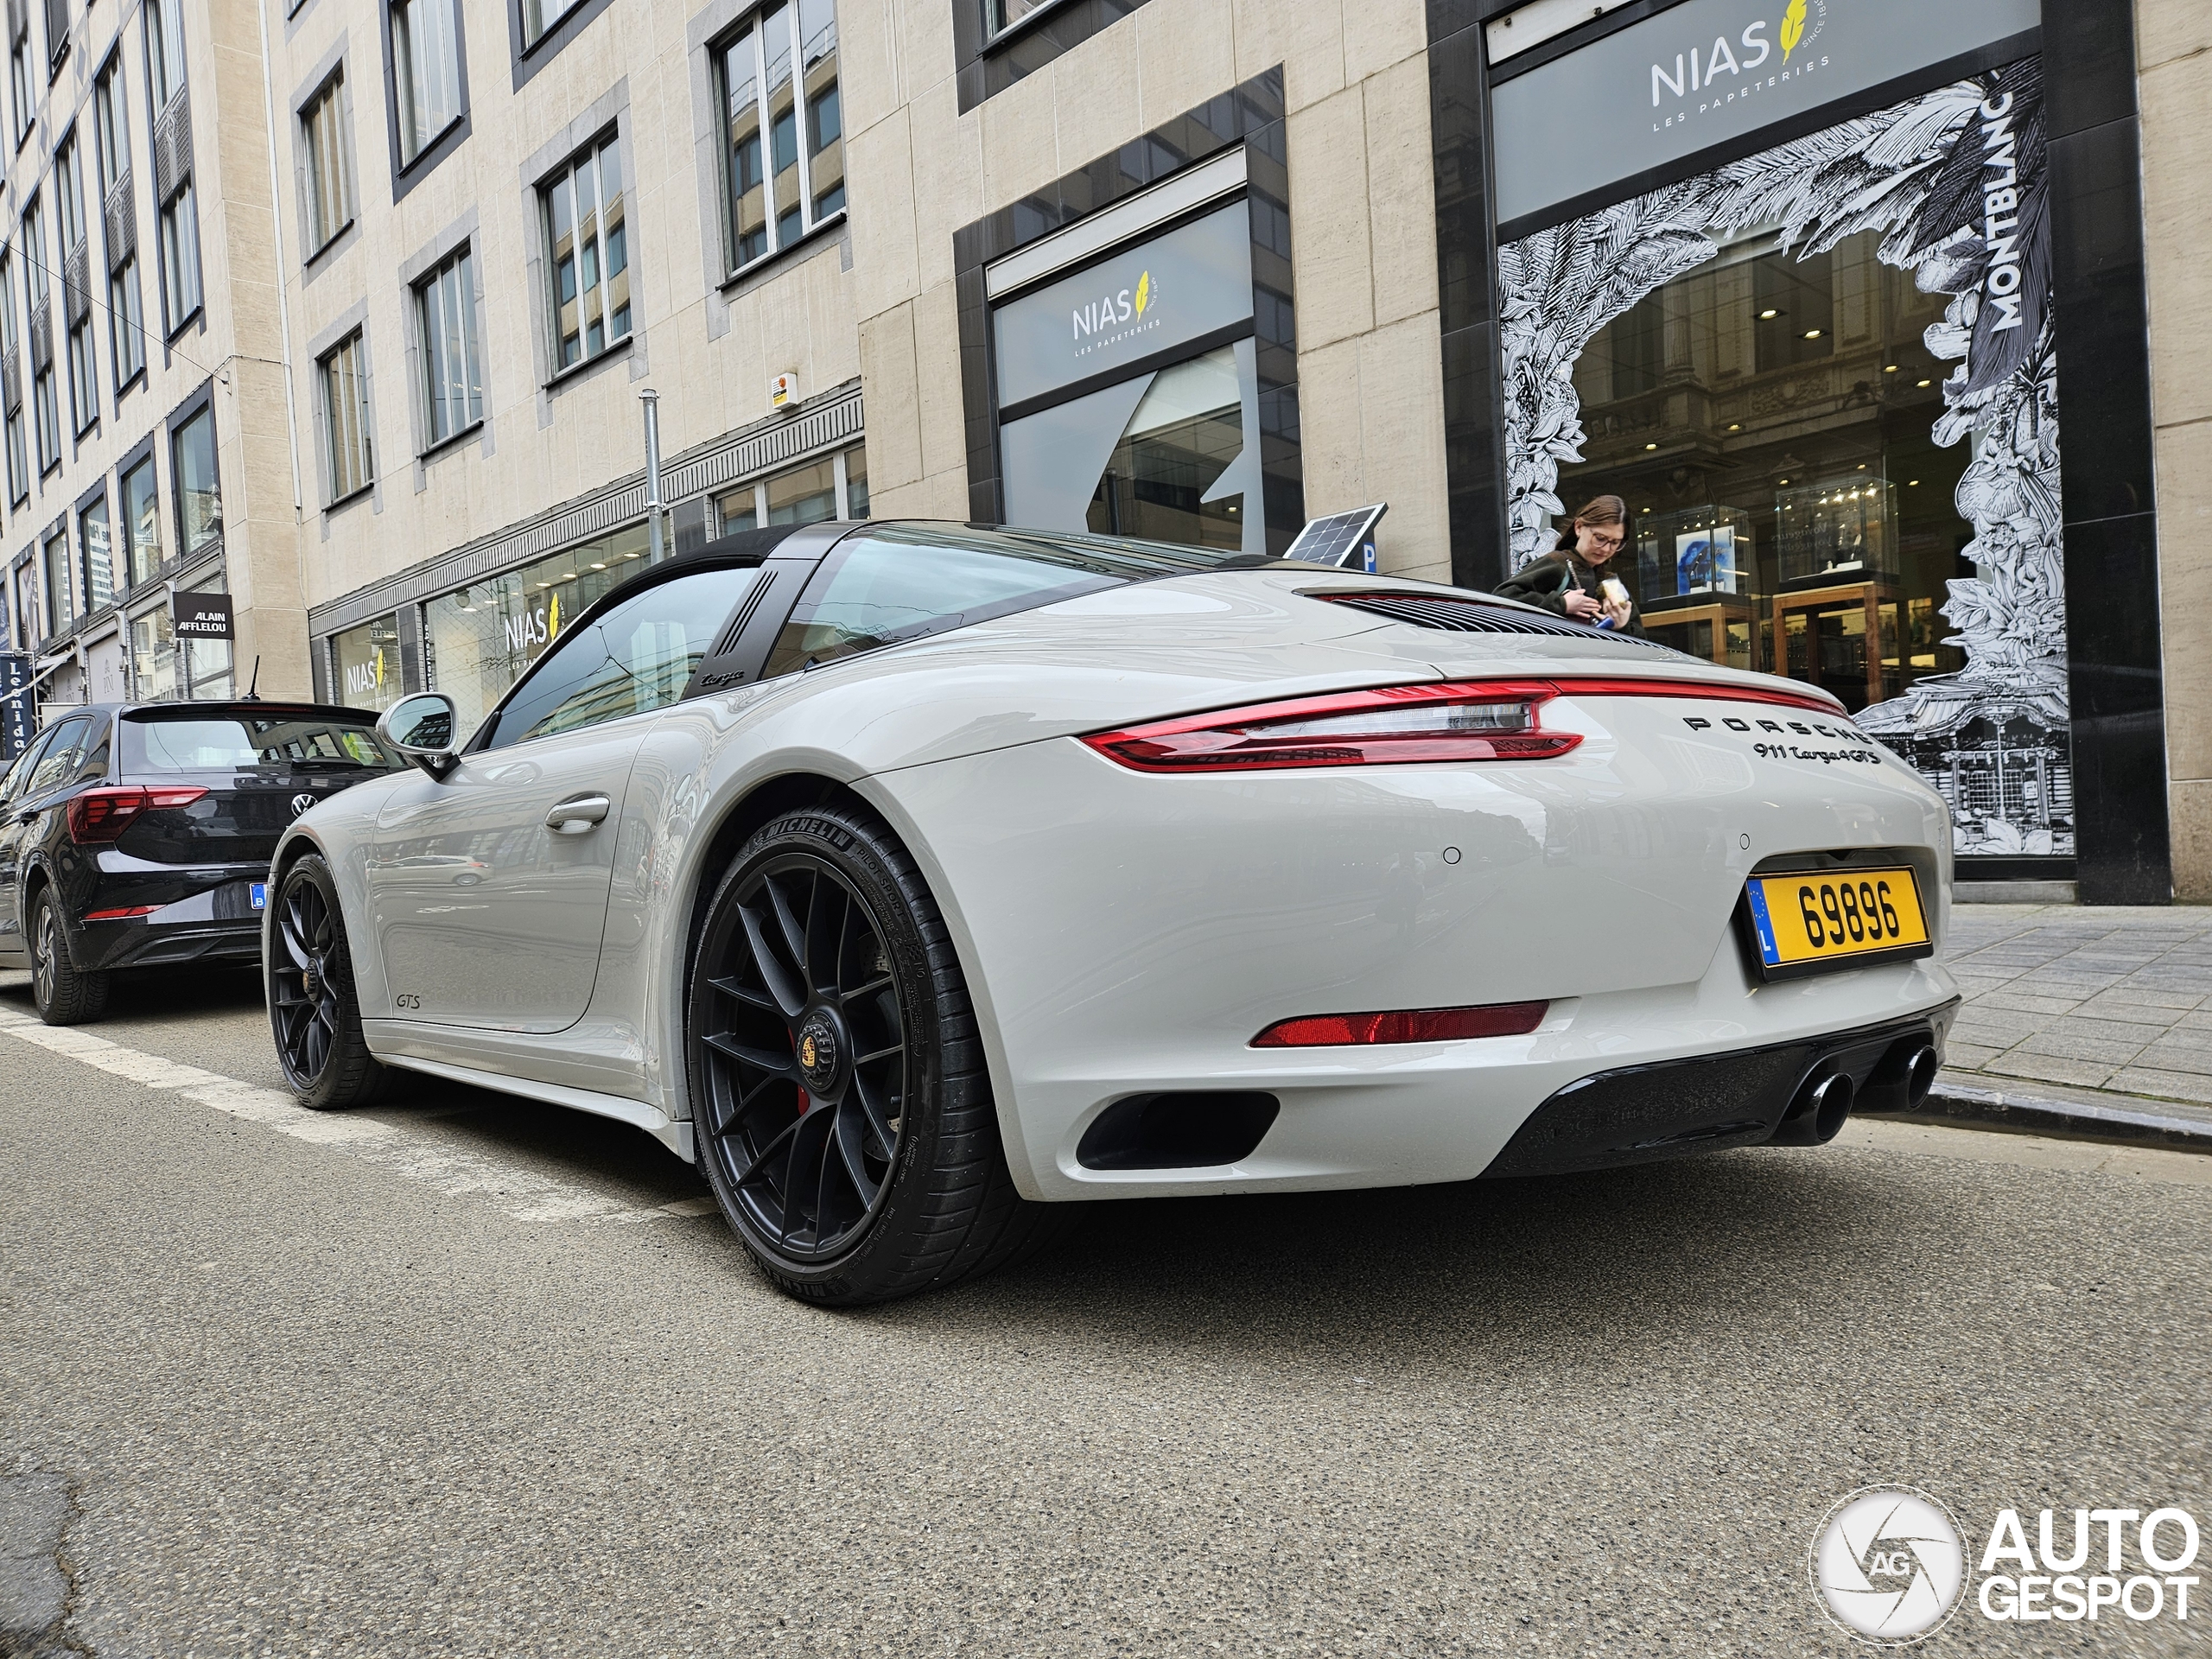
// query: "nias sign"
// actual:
[[1710, 73]]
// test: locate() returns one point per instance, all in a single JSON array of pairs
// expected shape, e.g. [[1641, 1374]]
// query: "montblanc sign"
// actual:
[[1711, 74]]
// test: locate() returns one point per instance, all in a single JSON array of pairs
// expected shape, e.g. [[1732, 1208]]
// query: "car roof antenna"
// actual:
[[251, 694]]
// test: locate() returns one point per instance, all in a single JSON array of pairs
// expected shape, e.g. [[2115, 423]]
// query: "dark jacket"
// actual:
[[1544, 581]]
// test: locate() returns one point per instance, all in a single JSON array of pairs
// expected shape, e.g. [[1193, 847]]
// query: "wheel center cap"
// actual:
[[818, 1052]]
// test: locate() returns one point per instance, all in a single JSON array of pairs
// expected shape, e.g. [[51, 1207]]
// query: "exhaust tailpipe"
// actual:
[[1920, 1074], [1817, 1115]]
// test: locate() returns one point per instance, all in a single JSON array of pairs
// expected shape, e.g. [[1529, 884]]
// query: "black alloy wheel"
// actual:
[[63, 995], [312, 1006], [843, 1116]]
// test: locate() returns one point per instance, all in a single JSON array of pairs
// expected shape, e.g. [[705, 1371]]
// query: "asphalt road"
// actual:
[[473, 1380]]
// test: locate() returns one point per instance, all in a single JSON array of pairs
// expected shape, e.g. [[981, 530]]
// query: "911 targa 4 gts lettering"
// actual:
[[916, 879]]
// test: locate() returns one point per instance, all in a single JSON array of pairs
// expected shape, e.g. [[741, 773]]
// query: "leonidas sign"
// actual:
[[201, 616], [1710, 73]]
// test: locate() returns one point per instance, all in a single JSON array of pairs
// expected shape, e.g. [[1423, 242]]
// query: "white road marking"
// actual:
[[450, 1170]]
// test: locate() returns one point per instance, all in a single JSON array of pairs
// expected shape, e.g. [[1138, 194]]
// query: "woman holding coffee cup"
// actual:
[[1571, 579]]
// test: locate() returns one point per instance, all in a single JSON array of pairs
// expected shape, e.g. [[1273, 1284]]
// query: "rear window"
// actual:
[[884, 586], [273, 742]]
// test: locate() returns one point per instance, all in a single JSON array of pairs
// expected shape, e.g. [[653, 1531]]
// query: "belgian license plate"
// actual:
[[1809, 922], [258, 895]]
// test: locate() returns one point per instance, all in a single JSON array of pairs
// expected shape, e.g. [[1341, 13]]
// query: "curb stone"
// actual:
[[2062, 1112]]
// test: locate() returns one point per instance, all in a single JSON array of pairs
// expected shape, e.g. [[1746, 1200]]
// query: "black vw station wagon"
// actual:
[[139, 835]]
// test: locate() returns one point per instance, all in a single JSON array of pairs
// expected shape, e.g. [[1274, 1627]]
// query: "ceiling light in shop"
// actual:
[[1913, 484], [1768, 314], [1812, 333], [1927, 382], [1651, 446], [1736, 426], [598, 567], [1888, 368]]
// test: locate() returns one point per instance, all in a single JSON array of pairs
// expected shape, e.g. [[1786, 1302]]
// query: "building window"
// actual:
[[452, 379], [46, 415], [1000, 16], [426, 72], [367, 660], [164, 50], [153, 655], [76, 283], [589, 256], [208, 662], [24, 102], [538, 16], [99, 556], [142, 521], [198, 498], [126, 319], [776, 187], [177, 220], [330, 164], [348, 447], [60, 592], [11, 385], [835, 486]]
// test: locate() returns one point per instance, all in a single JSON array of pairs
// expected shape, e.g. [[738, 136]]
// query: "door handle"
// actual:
[[576, 817]]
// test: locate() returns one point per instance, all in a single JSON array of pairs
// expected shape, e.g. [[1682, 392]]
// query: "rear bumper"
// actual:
[[1670, 1109], [218, 924]]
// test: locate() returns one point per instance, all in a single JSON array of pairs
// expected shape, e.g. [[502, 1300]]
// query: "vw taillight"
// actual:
[[99, 815]]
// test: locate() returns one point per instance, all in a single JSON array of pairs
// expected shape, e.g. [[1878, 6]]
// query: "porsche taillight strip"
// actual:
[[1443, 721]]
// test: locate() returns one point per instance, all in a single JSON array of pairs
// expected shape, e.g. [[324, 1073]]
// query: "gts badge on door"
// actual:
[[407, 999]]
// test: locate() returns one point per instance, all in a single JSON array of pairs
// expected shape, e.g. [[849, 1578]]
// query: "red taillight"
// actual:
[[99, 815], [1493, 719], [124, 914], [1406, 1026], [1477, 720]]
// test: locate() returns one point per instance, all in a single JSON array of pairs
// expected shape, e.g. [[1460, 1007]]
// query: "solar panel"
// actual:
[[1344, 539]]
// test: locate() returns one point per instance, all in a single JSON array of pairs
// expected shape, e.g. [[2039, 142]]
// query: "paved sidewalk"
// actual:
[[2117, 1001]]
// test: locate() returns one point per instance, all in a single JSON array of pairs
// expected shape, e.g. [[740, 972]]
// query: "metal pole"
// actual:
[[651, 401]]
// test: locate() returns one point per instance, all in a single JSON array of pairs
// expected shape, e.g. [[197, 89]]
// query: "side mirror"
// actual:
[[422, 727]]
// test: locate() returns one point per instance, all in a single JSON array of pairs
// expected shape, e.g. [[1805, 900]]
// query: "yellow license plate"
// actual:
[[1808, 921]]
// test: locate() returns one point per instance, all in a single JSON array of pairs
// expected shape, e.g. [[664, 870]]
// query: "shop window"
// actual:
[[199, 495], [588, 255], [60, 591], [142, 518], [368, 661], [800, 495], [208, 662], [1168, 454], [349, 448], [325, 135], [1852, 479], [153, 654], [26, 620], [92, 536], [480, 641], [783, 152], [425, 72], [452, 378]]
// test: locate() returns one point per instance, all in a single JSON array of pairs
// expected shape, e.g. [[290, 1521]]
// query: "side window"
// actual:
[[878, 590], [57, 764], [636, 656], [92, 754], [26, 762]]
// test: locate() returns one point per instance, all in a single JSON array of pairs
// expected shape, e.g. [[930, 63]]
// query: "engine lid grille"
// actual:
[[1453, 614]]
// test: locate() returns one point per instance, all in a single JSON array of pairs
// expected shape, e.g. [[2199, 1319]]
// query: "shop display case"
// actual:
[[1699, 582], [1838, 531]]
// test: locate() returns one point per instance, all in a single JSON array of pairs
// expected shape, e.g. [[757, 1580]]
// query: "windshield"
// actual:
[[273, 741], [881, 586]]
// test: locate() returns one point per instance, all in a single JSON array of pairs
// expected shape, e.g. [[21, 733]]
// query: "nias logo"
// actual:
[[535, 627], [1698, 72], [365, 679], [1115, 316]]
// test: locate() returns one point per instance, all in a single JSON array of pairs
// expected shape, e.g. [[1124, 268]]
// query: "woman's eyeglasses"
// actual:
[[1610, 544]]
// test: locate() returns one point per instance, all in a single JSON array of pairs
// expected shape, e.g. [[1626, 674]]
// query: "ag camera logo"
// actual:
[[1888, 1564]]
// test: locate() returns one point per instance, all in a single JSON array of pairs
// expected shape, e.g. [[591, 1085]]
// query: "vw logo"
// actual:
[[1888, 1564], [301, 802]]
